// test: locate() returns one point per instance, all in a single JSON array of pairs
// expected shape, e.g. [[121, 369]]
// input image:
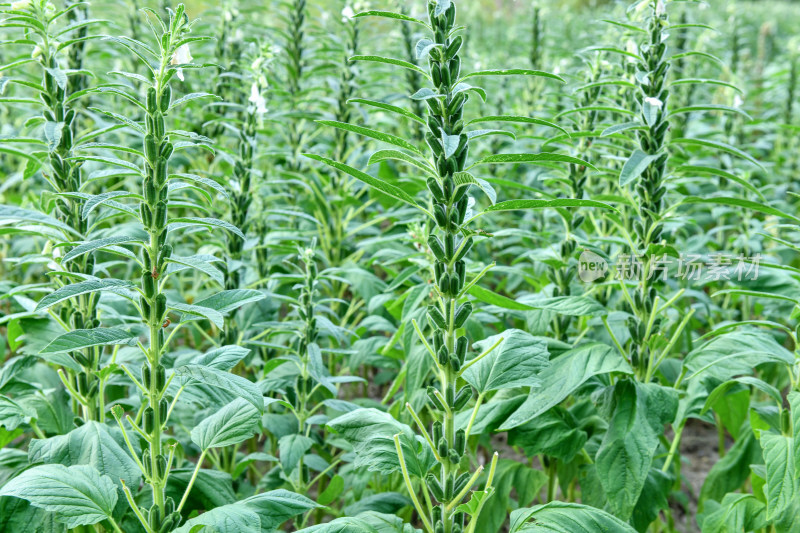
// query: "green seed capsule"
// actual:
[[455, 364], [161, 377], [461, 481], [166, 98], [436, 247], [438, 339], [465, 249], [436, 190], [150, 148], [148, 284], [436, 318], [437, 431], [146, 215], [160, 219], [145, 305], [435, 487], [146, 462], [166, 150], [160, 307], [461, 348], [448, 484], [455, 46], [155, 518], [161, 466], [149, 420], [159, 128], [440, 215], [151, 100], [463, 397], [435, 401], [462, 314], [442, 355], [442, 447], [460, 443], [83, 382], [163, 409], [449, 244], [444, 284]]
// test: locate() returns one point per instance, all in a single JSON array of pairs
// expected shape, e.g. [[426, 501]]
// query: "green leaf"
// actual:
[[391, 15], [388, 107], [544, 157], [512, 72], [231, 518], [373, 134], [515, 362], [569, 305], [212, 315], [383, 155], [84, 338], [695, 169], [734, 354], [95, 201], [12, 414], [291, 449], [379, 184], [332, 491], [563, 517], [234, 423], [517, 119], [392, 61], [224, 380], [492, 298], [9, 213], [718, 146], [199, 264], [737, 512], [464, 179], [277, 506], [518, 205], [84, 287], [783, 486], [567, 373], [709, 107], [176, 223], [794, 405], [626, 453], [91, 246], [79, 495], [739, 202], [226, 301], [635, 165]]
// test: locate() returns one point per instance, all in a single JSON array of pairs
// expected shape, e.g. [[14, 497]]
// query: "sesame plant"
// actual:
[[399, 267]]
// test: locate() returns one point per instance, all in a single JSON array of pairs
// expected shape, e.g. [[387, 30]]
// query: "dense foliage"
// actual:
[[381, 267]]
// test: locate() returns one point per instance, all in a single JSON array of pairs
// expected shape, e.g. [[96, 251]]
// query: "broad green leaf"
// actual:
[[84, 287], [734, 354], [231, 518], [515, 362], [730, 472], [492, 298], [737, 512], [794, 405], [626, 453], [635, 165], [569, 305], [512, 72], [199, 264], [84, 338], [563, 517], [92, 444], [391, 61], [275, 507], [214, 316], [567, 373], [291, 449], [12, 414], [367, 522], [79, 495], [554, 433], [382, 186], [224, 380], [226, 301], [98, 244], [783, 486], [234, 423]]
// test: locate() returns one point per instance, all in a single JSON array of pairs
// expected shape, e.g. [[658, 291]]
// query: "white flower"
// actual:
[[661, 8], [655, 102], [347, 13], [257, 99], [20, 5], [181, 57], [737, 101]]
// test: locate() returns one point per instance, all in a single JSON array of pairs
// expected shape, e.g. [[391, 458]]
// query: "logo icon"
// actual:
[[591, 267]]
